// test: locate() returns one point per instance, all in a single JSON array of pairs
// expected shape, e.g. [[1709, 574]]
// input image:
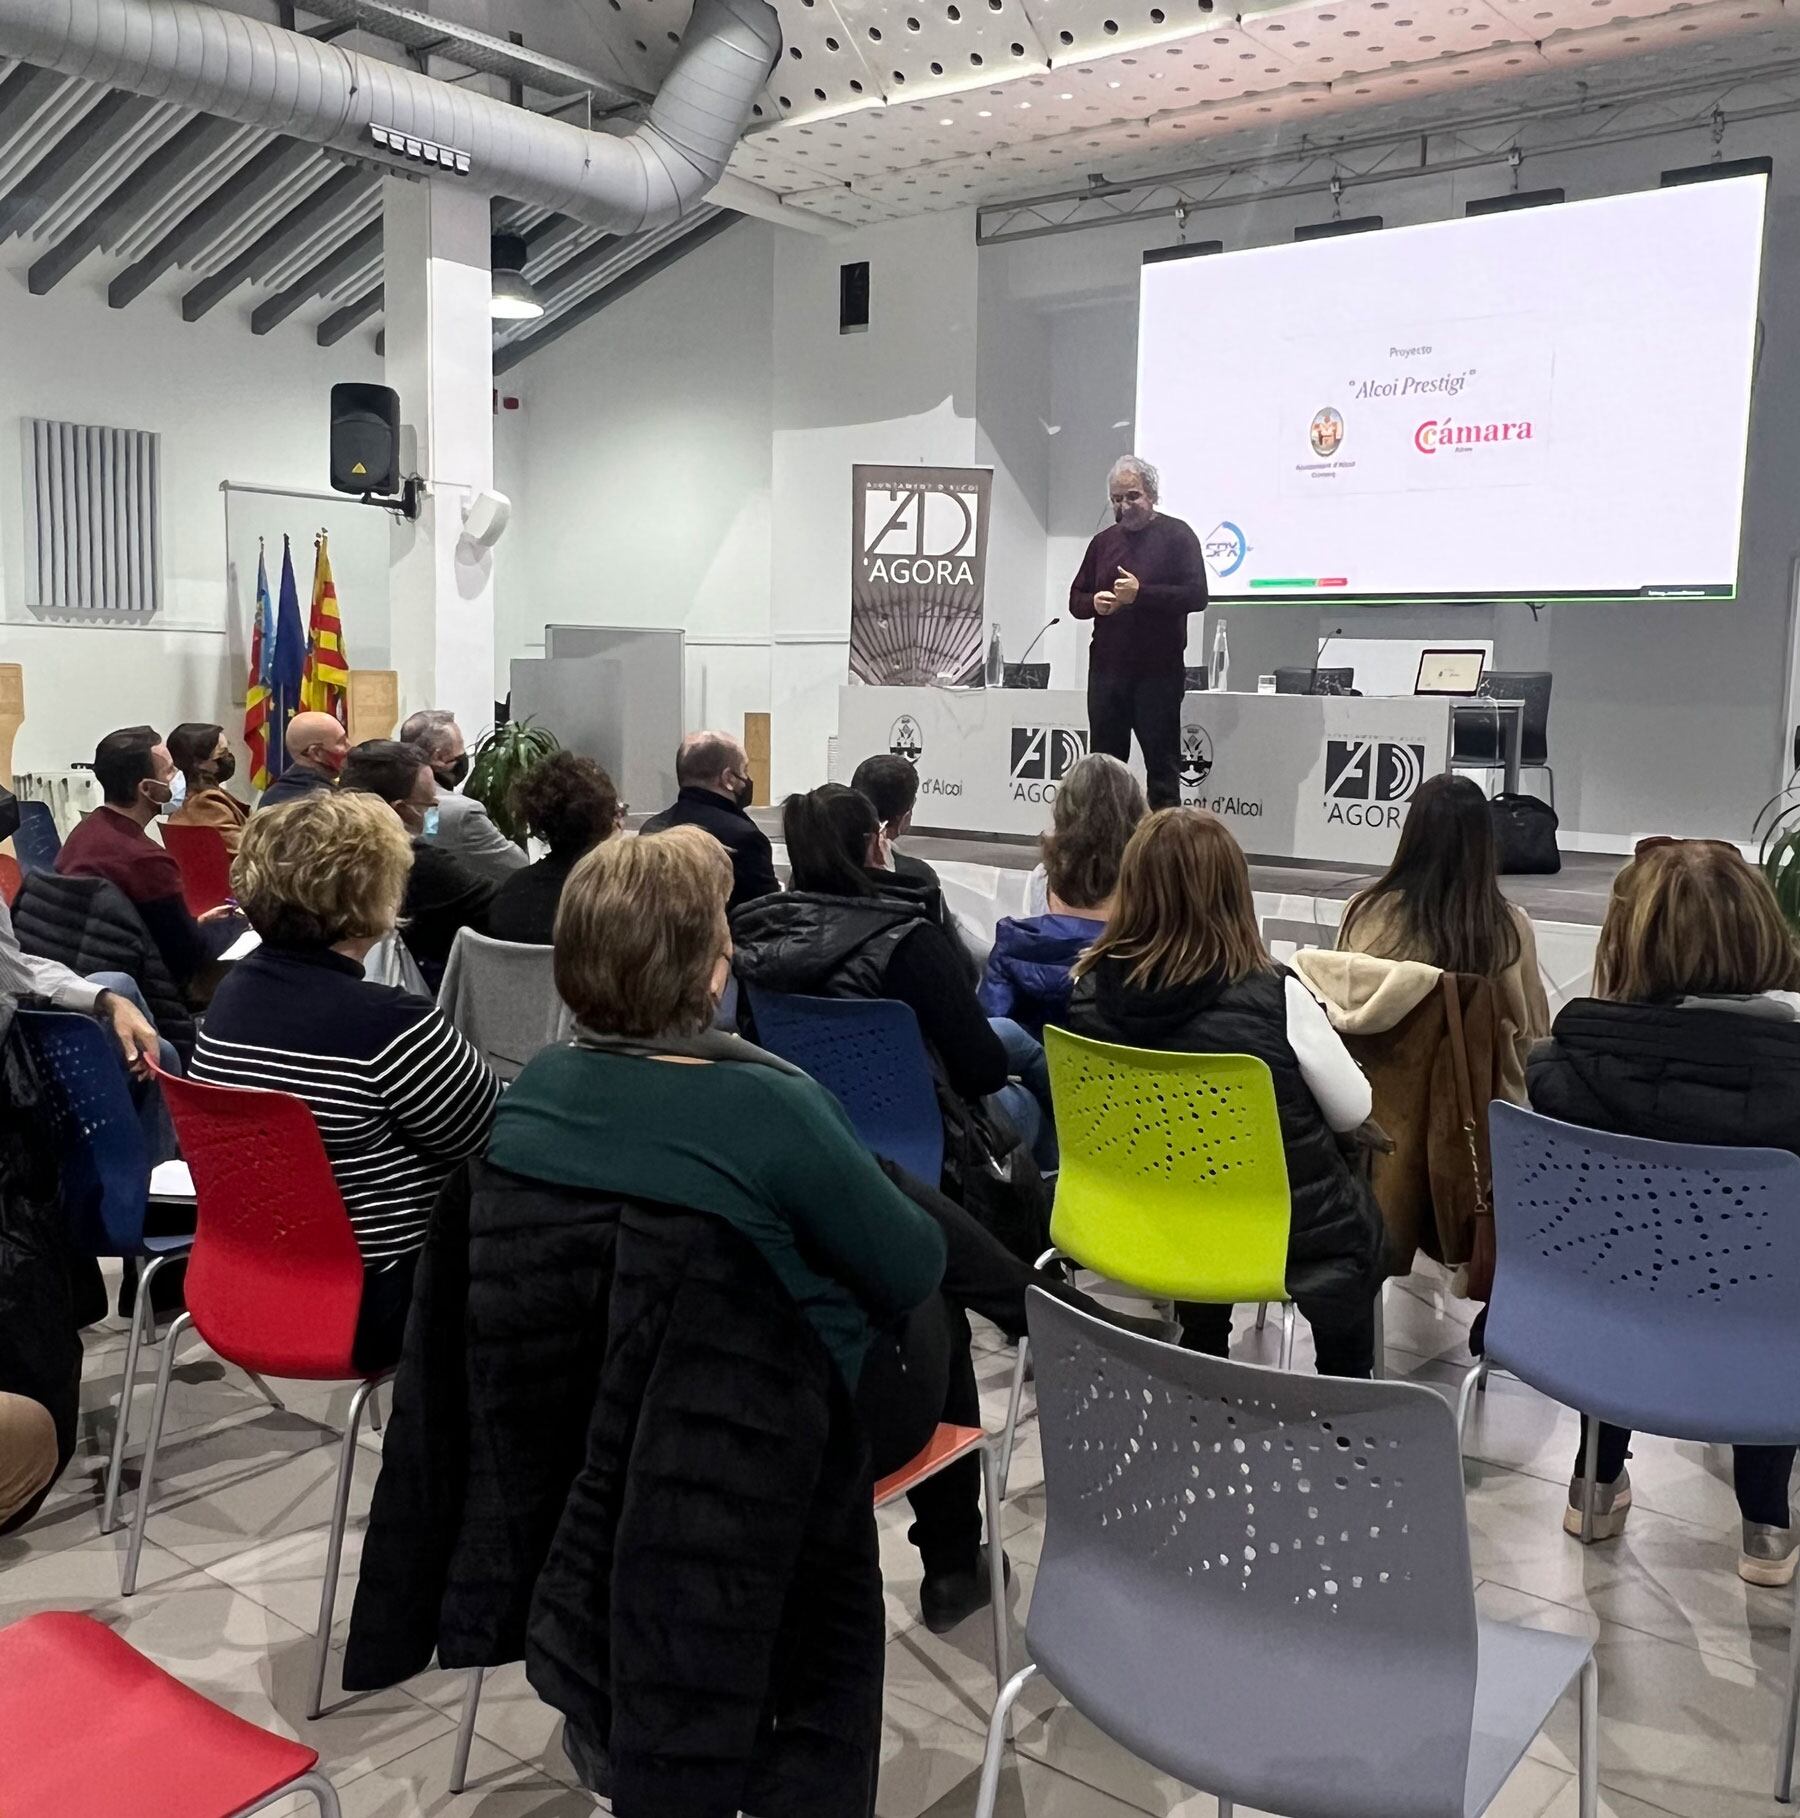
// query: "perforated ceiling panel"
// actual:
[[882, 108]]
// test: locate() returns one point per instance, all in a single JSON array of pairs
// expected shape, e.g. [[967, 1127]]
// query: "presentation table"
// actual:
[[1300, 776]]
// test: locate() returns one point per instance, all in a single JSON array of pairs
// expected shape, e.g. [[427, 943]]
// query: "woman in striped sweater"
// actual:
[[399, 1096]]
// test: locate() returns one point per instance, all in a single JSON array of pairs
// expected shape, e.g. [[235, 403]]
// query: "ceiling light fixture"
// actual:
[[514, 297]]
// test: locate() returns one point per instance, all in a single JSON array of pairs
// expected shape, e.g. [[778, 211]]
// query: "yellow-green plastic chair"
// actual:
[[1174, 1179]]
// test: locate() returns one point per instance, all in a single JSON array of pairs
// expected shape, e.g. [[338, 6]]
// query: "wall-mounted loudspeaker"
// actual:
[[365, 439]]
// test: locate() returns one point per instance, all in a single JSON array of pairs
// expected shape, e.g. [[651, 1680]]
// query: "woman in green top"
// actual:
[[650, 1103]]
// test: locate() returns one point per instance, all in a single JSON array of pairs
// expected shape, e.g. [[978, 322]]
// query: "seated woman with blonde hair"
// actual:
[[1097, 809], [398, 1095], [1692, 1036]]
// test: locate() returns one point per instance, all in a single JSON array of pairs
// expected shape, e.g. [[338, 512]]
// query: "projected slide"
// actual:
[[1549, 404]]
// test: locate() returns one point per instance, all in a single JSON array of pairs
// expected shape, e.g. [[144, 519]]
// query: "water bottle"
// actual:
[[1220, 679], [994, 674]]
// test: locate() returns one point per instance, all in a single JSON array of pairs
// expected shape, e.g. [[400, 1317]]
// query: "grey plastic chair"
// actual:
[[1260, 1584], [1650, 1285], [502, 996]]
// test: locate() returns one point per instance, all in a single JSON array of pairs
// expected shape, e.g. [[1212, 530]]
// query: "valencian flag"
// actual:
[[256, 689], [326, 684], [287, 667]]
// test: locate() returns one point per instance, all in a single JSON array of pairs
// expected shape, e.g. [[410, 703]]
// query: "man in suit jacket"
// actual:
[[713, 770], [465, 828]]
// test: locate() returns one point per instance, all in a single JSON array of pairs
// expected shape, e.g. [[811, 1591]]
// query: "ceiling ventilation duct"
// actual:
[[261, 75]]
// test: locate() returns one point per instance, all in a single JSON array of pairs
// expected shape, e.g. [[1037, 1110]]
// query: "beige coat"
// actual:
[[1524, 1008], [1433, 1045], [214, 808]]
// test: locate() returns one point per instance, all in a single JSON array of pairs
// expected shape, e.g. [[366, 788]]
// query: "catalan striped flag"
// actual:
[[256, 689], [325, 686]]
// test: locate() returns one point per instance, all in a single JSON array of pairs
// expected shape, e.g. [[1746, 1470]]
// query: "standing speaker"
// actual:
[[365, 439]]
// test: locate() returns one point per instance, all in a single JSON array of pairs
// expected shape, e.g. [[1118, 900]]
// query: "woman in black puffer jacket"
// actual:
[[1692, 1036], [1182, 966]]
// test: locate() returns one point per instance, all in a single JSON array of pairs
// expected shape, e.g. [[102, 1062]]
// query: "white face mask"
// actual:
[[177, 790]]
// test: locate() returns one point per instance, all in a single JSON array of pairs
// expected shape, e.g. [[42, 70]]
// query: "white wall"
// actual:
[[228, 406], [640, 461]]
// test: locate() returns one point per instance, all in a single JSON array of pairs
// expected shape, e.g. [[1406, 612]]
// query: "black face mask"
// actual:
[[451, 775], [745, 793], [224, 769]]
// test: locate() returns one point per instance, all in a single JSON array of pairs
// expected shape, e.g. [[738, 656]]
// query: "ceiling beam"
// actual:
[[299, 223], [241, 192], [338, 324], [170, 164], [507, 357], [338, 264], [572, 271], [22, 94], [36, 192]]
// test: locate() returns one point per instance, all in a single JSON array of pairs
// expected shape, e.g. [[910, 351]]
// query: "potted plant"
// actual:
[[1777, 831], [502, 755]]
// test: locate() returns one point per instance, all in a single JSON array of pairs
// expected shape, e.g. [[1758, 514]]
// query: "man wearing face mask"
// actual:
[[316, 747], [465, 828], [136, 777], [1139, 582], [713, 770], [443, 895]]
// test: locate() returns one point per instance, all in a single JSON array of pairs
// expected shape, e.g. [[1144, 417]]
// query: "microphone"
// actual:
[[1312, 684], [1029, 648]]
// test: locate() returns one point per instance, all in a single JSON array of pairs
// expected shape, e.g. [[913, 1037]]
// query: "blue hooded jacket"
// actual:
[[1027, 976]]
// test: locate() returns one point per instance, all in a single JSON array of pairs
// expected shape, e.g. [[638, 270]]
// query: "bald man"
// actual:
[[316, 746], [713, 770]]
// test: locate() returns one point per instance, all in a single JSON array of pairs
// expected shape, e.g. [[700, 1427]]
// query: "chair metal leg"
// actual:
[[1287, 1334], [1590, 1487], [268, 1394], [465, 1730], [1012, 1413], [990, 1491], [1784, 1758], [1590, 1739], [1379, 1368], [115, 1464], [335, 1547], [1262, 1314], [315, 1783], [1476, 1378], [375, 1410], [996, 1741], [1226, 1808], [147, 1477]]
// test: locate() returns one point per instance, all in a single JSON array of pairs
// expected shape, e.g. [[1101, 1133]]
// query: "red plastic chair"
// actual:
[[11, 877], [92, 1728], [205, 865], [942, 1450], [274, 1280]]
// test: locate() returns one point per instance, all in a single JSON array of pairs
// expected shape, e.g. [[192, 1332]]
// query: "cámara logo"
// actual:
[[1327, 432], [1436, 434], [904, 740], [1225, 549], [1196, 763]]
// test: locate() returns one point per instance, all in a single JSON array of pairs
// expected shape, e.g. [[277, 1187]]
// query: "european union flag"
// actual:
[[288, 663]]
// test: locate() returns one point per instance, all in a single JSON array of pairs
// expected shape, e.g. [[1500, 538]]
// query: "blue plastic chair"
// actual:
[[105, 1178], [1260, 1584], [1649, 1285], [36, 842], [868, 1054]]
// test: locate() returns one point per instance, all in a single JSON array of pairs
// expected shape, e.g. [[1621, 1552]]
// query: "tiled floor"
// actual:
[[1691, 1659]]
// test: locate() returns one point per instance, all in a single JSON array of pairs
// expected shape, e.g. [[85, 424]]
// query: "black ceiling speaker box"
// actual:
[[365, 439]]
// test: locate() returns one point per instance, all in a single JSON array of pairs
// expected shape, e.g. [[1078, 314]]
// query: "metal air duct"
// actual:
[[261, 75]]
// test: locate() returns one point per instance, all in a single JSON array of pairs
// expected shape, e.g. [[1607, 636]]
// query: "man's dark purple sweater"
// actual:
[[1148, 637]]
